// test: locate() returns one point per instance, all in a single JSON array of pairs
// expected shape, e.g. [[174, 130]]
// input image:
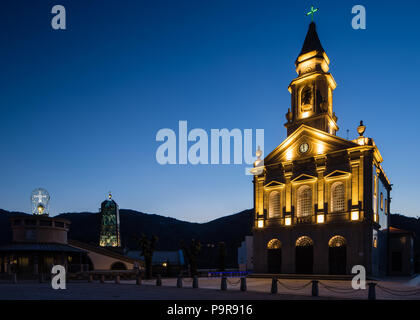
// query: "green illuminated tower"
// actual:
[[110, 224]]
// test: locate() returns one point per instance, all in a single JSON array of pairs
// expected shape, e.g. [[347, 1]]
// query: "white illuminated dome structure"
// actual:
[[40, 199]]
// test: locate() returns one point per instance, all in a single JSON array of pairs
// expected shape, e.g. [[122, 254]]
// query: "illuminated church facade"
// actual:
[[321, 202]]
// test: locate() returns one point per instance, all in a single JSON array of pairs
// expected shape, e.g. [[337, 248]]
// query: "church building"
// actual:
[[321, 202]]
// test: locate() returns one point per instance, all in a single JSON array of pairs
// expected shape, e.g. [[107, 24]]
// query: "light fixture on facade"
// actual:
[[288, 221], [320, 149], [320, 218], [260, 224], [305, 114], [355, 215], [165, 264]]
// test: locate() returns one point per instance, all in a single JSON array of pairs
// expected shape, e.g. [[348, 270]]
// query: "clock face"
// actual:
[[304, 147]]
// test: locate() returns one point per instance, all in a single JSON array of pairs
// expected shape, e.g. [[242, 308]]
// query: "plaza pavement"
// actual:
[[209, 289]]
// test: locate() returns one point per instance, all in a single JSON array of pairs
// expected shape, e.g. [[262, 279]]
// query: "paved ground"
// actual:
[[258, 289], [127, 291]]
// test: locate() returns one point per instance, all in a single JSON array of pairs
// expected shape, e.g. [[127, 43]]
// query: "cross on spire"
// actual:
[[40, 196], [312, 12]]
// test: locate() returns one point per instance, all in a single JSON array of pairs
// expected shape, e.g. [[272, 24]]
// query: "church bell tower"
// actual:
[[110, 224], [312, 90]]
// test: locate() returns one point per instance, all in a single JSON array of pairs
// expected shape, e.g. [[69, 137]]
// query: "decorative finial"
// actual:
[[109, 195], [289, 115], [258, 153], [311, 13], [361, 129]]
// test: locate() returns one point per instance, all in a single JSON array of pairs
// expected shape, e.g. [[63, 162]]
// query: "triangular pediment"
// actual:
[[273, 184], [337, 174], [307, 142], [303, 177]]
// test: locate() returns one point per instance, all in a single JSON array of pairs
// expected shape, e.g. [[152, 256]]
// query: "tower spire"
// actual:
[[312, 41], [312, 89]]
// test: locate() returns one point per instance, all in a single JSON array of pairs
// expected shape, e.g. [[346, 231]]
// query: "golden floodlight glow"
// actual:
[[320, 218], [320, 149], [288, 221], [260, 224], [362, 141], [165, 264], [289, 155], [40, 209], [355, 215]]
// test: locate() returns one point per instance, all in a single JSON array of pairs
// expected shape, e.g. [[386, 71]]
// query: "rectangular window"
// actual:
[[23, 261], [59, 224], [30, 222], [375, 239], [30, 234], [45, 223]]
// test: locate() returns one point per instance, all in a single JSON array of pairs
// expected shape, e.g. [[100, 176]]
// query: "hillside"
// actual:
[[85, 227], [231, 229]]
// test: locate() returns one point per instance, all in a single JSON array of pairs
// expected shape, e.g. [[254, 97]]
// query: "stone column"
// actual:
[[320, 162], [288, 167]]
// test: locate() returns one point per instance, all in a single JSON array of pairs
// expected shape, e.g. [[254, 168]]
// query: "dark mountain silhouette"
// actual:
[[230, 229], [85, 227]]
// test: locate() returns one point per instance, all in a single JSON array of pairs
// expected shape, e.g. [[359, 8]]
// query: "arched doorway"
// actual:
[[274, 256], [304, 255], [337, 257], [118, 266]]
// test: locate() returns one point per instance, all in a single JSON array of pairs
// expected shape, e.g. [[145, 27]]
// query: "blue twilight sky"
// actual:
[[80, 108]]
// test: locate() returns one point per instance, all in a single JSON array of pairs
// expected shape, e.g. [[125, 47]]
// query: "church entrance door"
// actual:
[[337, 255], [304, 255], [304, 259], [274, 260], [337, 260]]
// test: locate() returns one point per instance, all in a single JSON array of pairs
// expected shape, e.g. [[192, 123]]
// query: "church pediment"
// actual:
[[273, 184], [337, 174], [307, 142], [304, 178]]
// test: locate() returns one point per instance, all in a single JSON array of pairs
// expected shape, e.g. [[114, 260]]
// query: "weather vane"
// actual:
[[312, 12]]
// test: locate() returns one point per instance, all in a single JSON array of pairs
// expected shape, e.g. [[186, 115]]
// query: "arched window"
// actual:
[[304, 242], [274, 244], [118, 266], [306, 98], [337, 241], [274, 204], [304, 201], [337, 197]]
